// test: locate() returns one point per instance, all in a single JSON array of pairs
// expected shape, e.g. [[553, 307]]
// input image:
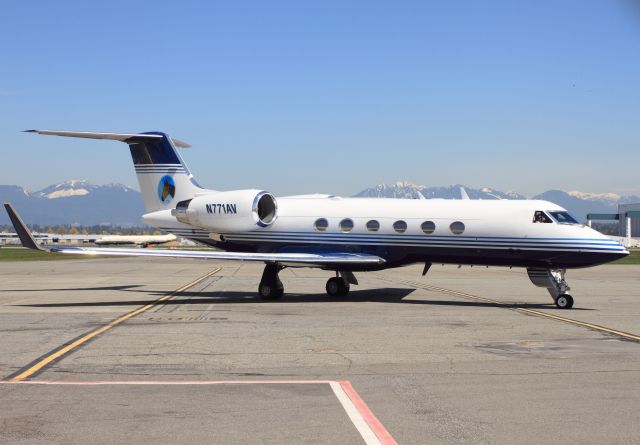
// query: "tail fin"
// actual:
[[164, 178]]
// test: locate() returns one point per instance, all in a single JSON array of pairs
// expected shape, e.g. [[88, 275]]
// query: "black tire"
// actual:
[[268, 291], [337, 287], [564, 301]]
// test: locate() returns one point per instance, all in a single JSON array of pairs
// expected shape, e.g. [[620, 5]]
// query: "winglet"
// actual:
[[26, 238]]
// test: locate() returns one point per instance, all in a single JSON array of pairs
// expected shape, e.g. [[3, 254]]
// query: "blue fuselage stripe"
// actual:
[[390, 240]]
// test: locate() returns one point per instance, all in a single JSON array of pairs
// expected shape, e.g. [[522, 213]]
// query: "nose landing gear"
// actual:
[[553, 280], [564, 301]]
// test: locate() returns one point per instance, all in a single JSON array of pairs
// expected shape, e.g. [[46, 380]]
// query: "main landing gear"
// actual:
[[553, 280], [339, 285], [270, 287]]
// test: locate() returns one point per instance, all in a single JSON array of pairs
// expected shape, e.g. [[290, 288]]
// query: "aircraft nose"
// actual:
[[613, 244]]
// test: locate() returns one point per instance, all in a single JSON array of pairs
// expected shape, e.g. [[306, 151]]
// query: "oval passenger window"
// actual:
[[373, 225], [457, 227], [428, 227], [346, 225], [400, 226], [321, 224]]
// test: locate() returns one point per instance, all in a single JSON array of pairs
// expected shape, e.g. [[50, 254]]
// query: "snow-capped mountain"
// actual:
[[606, 197], [74, 187], [78, 187], [408, 190], [75, 202], [577, 203]]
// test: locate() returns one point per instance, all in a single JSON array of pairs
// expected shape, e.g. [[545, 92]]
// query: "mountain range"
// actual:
[[577, 203], [75, 202], [79, 202]]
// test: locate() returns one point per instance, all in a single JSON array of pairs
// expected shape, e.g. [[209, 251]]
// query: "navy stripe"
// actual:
[[426, 235], [401, 238], [408, 236], [566, 244], [439, 244], [160, 169]]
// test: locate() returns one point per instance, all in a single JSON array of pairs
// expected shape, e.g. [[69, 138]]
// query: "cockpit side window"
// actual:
[[563, 218], [540, 217]]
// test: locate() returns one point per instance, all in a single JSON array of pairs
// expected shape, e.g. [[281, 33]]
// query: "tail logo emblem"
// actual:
[[166, 189]]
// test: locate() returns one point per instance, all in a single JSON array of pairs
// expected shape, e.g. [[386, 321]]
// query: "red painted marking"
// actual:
[[376, 426]]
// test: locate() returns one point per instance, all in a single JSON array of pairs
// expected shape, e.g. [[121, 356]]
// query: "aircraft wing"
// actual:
[[304, 259], [323, 258]]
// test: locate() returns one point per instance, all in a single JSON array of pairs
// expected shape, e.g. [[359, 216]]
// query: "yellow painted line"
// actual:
[[85, 338], [523, 310]]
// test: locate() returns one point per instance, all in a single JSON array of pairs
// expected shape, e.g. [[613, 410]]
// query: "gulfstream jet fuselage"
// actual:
[[349, 235]]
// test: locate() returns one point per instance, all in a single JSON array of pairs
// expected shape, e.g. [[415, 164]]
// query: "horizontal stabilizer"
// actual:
[[123, 137]]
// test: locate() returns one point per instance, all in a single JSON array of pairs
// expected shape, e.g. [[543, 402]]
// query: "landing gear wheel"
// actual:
[[564, 301], [337, 287], [271, 287], [268, 291]]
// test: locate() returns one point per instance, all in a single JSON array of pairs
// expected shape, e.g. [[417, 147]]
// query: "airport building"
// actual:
[[8, 238], [633, 220], [628, 218]]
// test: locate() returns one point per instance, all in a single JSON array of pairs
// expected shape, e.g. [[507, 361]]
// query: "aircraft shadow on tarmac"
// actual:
[[126, 287], [381, 295]]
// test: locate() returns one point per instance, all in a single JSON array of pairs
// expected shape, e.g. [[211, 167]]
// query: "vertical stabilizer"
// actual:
[[164, 178]]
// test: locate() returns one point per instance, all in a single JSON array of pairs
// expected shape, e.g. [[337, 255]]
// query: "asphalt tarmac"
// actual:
[[141, 350]]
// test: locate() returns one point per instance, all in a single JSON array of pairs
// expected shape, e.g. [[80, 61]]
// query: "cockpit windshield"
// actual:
[[563, 218]]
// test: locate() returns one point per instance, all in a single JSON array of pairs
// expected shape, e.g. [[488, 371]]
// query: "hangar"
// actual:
[[628, 218]]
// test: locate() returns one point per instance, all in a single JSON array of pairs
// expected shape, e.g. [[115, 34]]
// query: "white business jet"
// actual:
[[346, 235]]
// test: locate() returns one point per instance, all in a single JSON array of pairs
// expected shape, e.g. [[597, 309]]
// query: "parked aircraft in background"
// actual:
[[138, 240], [347, 235]]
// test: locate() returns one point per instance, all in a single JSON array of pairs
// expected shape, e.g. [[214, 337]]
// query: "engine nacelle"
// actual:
[[223, 212]]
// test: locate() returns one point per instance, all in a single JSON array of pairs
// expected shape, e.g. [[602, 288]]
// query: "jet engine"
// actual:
[[224, 212]]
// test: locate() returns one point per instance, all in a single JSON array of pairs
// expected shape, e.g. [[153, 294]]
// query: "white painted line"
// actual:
[[367, 424], [172, 383], [376, 426], [358, 421]]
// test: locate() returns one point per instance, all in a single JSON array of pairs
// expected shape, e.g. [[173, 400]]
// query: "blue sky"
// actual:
[[330, 96]]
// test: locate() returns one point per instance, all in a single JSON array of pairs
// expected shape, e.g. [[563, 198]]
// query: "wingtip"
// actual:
[[29, 131], [23, 232]]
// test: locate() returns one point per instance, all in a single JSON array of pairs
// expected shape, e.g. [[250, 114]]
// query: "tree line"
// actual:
[[64, 229]]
